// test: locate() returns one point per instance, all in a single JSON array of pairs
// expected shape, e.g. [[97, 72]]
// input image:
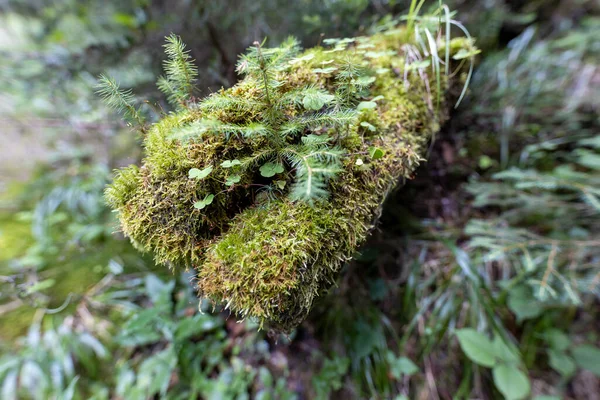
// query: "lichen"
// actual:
[[254, 249]]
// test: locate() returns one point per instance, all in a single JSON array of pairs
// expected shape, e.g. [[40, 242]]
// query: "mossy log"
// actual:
[[265, 255]]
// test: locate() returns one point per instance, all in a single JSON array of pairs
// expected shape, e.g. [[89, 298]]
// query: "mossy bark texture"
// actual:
[[254, 249]]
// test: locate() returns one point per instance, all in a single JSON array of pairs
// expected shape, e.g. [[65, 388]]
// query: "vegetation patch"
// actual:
[[268, 187]]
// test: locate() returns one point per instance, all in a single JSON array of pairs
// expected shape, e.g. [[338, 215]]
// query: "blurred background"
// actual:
[[497, 238]]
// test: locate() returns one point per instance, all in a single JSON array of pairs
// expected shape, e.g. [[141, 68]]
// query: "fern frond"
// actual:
[[228, 103], [313, 170], [258, 58], [310, 97], [167, 87], [258, 158], [353, 80], [315, 141], [263, 64], [333, 119], [181, 73], [123, 101], [198, 129]]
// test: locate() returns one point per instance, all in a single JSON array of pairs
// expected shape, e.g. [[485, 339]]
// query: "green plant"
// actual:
[[180, 73], [152, 336], [507, 368], [564, 357], [50, 363], [546, 195], [305, 148], [330, 377], [314, 159]]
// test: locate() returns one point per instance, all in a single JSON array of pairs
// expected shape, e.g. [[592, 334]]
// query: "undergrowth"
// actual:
[[506, 268], [490, 292]]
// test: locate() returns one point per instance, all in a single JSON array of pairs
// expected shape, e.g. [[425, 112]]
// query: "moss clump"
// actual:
[[299, 157]]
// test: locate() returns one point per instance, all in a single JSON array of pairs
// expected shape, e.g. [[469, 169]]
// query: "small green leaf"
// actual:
[[522, 303], [359, 162], [203, 203], [377, 98], [545, 397], [485, 162], [368, 126], [464, 53], [418, 65], [557, 339], [232, 179], [477, 347], [195, 325], [400, 366], [511, 382], [196, 173], [365, 80], [587, 357], [270, 169], [561, 363], [307, 57], [280, 184], [315, 100], [365, 46], [366, 105], [230, 163], [503, 352], [326, 70], [375, 153]]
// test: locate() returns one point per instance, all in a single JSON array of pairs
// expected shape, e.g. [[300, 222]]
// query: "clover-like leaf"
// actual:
[[375, 153], [400, 366], [326, 70], [270, 169], [232, 179], [365, 80], [280, 184], [316, 99], [230, 163], [307, 57], [368, 126], [366, 105], [200, 174], [204, 202]]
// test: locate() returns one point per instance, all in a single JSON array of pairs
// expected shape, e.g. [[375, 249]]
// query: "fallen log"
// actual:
[[269, 187]]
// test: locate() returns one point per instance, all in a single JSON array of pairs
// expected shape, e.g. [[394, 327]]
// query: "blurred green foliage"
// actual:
[[498, 235]]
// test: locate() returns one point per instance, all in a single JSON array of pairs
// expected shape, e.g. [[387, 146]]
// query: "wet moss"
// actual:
[[268, 257]]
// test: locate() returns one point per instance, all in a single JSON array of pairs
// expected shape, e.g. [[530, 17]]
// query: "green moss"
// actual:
[[15, 236], [257, 251]]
